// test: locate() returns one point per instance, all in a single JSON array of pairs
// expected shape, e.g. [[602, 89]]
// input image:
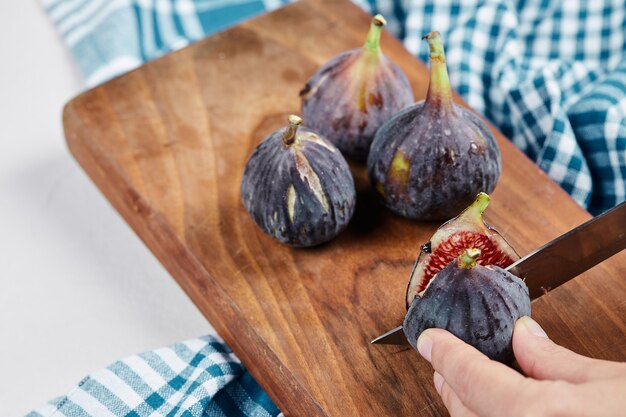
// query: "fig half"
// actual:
[[467, 230], [478, 304], [431, 159], [297, 187], [354, 93]]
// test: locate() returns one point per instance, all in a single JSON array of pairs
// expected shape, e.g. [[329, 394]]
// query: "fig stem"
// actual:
[[372, 42], [289, 136], [475, 211], [468, 258], [439, 91], [481, 202]]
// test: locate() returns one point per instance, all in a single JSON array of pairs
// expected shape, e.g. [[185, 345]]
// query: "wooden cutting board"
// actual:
[[167, 144]]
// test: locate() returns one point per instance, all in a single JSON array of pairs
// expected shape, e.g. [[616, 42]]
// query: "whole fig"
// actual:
[[297, 187], [354, 93], [478, 304], [429, 161], [465, 231]]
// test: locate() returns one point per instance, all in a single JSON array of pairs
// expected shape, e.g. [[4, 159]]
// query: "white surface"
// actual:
[[78, 289]]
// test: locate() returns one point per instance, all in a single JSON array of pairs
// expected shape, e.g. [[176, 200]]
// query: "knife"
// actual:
[[560, 260]]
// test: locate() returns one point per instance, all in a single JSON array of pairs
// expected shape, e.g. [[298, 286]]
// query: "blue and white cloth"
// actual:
[[550, 74], [196, 378]]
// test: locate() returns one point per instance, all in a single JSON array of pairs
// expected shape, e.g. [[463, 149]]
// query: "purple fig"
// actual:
[[430, 160], [478, 304], [297, 187], [354, 93]]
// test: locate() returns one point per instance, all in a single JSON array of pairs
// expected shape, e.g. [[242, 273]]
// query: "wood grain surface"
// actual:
[[167, 144]]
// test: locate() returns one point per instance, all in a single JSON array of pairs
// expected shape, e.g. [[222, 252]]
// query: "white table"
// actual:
[[78, 289]]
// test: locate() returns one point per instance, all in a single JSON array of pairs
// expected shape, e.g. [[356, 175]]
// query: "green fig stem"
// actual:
[[289, 136], [480, 204], [473, 214], [372, 43], [439, 91], [468, 258]]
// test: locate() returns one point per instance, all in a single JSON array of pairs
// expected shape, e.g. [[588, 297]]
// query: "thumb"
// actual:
[[541, 358]]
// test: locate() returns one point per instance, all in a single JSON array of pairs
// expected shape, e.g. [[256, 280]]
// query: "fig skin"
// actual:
[[297, 187], [478, 304], [430, 160], [350, 97]]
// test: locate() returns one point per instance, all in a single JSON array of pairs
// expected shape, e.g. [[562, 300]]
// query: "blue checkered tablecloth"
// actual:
[[551, 75], [196, 378]]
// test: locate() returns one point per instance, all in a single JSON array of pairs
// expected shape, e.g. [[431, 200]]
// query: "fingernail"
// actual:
[[438, 380], [424, 345], [532, 326]]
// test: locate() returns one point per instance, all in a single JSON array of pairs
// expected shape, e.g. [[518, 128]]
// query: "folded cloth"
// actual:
[[110, 37], [196, 378], [551, 75]]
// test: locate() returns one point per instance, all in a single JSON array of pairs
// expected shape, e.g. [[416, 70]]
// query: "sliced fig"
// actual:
[[297, 187], [354, 93], [467, 230], [478, 304]]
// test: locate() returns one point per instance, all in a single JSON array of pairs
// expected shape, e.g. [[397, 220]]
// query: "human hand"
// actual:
[[559, 382]]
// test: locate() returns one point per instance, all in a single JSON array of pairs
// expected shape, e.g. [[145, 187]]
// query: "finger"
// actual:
[[607, 396], [541, 358], [452, 402], [486, 387]]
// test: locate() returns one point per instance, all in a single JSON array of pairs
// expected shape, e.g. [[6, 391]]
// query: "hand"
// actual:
[[559, 382]]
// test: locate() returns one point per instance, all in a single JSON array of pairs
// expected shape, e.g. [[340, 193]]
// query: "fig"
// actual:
[[354, 93], [431, 159], [297, 187], [478, 304], [467, 230]]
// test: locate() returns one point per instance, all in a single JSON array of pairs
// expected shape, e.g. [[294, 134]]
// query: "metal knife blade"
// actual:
[[560, 260]]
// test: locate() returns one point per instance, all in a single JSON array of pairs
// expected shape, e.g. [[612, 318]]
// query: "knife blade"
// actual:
[[559, 260]]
